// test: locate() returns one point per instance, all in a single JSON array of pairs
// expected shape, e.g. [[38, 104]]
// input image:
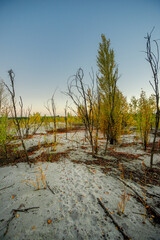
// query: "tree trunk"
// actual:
[[154, 139]]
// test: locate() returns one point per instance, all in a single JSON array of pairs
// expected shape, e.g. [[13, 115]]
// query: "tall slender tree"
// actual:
[[107, 79]]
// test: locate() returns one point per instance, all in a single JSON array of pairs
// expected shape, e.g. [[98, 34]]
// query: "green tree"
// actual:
[[110, 94], [143, 109], [5, 135]]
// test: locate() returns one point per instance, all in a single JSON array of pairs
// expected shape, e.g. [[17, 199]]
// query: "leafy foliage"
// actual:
[[144, 109]]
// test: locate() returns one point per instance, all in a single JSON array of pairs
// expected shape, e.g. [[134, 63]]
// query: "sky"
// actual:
[[45, 42]]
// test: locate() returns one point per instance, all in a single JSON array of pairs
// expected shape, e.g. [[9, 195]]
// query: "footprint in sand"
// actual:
[[74, 214]]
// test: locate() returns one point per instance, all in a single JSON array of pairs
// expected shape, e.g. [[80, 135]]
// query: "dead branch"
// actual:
[[153, 59], [24, 209], [17, 123], [6, 187], [50, 188], [11, 218], [52, 112], [120, 229]]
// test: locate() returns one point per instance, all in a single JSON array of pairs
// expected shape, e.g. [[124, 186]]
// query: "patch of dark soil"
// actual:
[[40, 134], [102, 138], [64, 130], [32, 149], [137, 175], [104, 163], [10, 154], [127, 144], [52, 157], [83, 147], [141, 177], [122, 155], [157, 147], [25, 137]]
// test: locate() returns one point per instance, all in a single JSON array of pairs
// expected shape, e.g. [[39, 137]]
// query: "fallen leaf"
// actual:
[[33, 228], [12, 196], [49, 221], [17, 215]]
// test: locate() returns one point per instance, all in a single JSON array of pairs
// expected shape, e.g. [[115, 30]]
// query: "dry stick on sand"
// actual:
[[6, 187], [120, 229], [149, 208], [49, 188], [11, 218], [14, 211], [24, 209]]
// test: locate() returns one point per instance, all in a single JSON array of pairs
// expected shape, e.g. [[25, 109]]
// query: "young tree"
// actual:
[[52, 111], [153, 59], [108, 88], [145, 110], [86, 101], [4, 134], [4, 102], [66, 117], [16, 120]]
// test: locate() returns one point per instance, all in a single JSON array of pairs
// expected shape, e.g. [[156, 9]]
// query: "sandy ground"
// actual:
[[68, 208]]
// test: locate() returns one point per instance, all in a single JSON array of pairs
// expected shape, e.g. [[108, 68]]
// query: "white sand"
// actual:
[[73, 209]]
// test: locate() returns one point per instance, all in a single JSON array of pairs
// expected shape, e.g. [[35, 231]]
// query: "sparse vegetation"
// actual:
[[104, 132]]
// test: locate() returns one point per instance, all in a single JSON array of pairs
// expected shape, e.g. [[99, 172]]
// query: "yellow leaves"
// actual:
[[91, 171], [49, 221], [17, 215]]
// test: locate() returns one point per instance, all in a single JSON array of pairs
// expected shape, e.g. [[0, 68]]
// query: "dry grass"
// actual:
[[40, 181], [124, 196]]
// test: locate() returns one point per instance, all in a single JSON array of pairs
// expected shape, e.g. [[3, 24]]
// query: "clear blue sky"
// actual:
[[45, 42]]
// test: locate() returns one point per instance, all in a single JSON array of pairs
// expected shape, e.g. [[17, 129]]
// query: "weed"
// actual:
[[40, 178], [124, 196]]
